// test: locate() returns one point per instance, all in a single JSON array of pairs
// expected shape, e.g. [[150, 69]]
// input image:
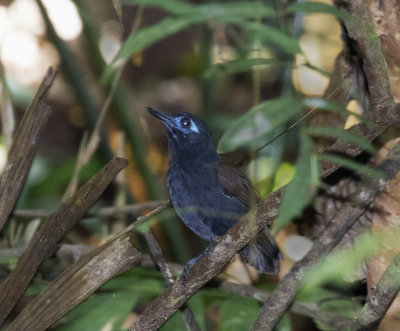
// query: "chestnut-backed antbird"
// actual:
[[209, 195]]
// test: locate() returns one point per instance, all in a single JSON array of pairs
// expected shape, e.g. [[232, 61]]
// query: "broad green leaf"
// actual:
[[299, 191], [154, 33], [259, 122], [283, 175], [317, 7], [238, 314], [100, 309], [343, 134], [173, 6], [352, 165], [236, 66]]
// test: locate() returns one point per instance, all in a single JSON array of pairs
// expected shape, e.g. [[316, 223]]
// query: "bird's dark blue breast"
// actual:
[[199, 199]]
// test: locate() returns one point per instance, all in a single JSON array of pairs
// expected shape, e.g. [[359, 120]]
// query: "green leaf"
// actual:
[[140, 281], [283, 176], [186, 16], [174, 323], [299, 191], [98, 310], [352, 165], [236, 66], [317, 7], [318, 69], [273, 37], [242, 9], [343, 134], [173, 6], [259, 122], [238, 314], [333, 107], [154, 33], [209, 11]]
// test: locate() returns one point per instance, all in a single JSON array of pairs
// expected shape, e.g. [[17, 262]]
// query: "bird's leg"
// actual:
[[191, 262]]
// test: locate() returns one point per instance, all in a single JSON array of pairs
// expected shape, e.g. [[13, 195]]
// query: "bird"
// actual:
[[210, 195]]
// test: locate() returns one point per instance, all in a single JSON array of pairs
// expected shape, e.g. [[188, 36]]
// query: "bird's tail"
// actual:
[[263, 253]]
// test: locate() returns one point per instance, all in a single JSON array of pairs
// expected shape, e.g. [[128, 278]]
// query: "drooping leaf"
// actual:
[[237, 66], [301, 188], [256, 125], [352, 165], [154, 33], [343, 134], [317, 7]]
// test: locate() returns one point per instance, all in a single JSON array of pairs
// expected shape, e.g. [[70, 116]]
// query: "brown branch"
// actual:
[[79, 281], [44, 241], [309, 309], [380, 299], [23, 148], [284, 293]]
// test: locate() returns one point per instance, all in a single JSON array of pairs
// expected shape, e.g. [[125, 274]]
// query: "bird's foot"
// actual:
[[191, 262], [187, 267]]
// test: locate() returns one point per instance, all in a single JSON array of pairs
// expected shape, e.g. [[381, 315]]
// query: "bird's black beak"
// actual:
[[164, 117]]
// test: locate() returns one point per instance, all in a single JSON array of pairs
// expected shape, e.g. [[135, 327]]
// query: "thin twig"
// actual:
[[163, 205], [133, 210], [159, 259]]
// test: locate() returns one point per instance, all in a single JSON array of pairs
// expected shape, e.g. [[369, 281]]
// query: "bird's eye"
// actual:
[[186, 122]]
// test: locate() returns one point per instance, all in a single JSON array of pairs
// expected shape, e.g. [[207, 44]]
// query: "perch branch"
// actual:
[[44, 241], [23, 148]]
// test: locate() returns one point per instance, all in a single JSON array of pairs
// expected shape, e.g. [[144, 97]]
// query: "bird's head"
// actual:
[[185, 131]]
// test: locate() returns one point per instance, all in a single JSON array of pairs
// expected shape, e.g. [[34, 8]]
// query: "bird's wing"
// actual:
[[236, 184]]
